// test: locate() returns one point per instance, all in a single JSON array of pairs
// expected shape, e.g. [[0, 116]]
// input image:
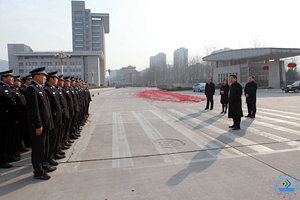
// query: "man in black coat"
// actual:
[[65, 116], [26, 81], [71, 108], [8, 119], [40, 122], [209, 92], [56, 111], [250, 93], [235, 102]]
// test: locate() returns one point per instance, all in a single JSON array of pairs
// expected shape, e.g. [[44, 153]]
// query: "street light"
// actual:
[[62, 56], [109, 71]]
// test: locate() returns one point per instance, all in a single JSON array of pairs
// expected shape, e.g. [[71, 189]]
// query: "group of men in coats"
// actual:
[[232, 95], [43, 111]]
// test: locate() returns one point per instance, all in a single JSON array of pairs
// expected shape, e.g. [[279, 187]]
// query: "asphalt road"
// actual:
[[134, 148]]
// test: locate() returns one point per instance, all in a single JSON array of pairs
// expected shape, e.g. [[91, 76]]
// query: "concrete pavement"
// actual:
[[134, 148]]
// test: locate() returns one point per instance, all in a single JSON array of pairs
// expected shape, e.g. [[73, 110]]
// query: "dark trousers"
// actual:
[[52, 142], [68, 129], [236, 122], [224, 107], [4, 131], [251, 109], [210, 99], [12, 140], [38, 152]]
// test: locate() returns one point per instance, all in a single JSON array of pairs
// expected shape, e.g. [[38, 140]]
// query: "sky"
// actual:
[[142, 28]]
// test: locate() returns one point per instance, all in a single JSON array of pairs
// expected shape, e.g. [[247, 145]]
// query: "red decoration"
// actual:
[[292, 65], [158, 95], [266, 68]]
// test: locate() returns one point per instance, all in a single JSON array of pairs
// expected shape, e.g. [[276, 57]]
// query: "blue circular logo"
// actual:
[[286, 187]]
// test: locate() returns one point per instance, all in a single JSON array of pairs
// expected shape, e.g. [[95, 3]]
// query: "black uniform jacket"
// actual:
[[63, 103], [38, 108], [56, 108], [8, 105]]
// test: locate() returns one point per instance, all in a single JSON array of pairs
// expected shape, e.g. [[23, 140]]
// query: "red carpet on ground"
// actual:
[[158, 95]]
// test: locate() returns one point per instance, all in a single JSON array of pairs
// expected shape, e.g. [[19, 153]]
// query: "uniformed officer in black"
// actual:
[[26, 81], [40, 122], [56, 111], [20, 128], [71, 108], [250, 93], [7, 117], [74, 125], [65, 116]]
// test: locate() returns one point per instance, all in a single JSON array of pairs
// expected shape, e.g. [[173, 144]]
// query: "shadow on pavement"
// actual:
[[193, 115], [17, 177], [198, 167]]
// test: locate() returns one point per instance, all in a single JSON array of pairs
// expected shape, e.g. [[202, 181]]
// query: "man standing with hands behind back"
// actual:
[[250, 93], [209, 92], [39, 121]]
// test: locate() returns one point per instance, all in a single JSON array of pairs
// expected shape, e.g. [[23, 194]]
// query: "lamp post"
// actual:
[[92, 73], [62, 56], [109, 71]]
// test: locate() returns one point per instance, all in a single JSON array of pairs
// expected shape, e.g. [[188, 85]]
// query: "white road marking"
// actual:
[[280, 111], [197, 139], [228, 134], [259, 132], [120, 146], [278, 115], [153, 134]]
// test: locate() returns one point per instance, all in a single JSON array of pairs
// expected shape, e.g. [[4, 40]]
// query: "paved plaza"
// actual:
[[135, 148]]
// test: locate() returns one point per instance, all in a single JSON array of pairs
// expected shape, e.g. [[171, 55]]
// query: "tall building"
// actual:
[[88, 57], [158, 61], [88, 31], [181, 58]]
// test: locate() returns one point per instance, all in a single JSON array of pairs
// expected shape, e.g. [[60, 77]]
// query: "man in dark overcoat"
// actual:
[[235, 102]]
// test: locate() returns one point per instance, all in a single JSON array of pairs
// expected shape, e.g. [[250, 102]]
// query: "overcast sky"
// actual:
[[141, 28]]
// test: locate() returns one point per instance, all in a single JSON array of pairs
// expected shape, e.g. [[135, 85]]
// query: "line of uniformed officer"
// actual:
[[47, 116]]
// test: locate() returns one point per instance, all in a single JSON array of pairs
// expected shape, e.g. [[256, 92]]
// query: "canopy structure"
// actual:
[[264, 63], [253, 54]]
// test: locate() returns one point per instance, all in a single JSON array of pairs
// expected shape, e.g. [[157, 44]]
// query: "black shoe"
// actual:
[[236, 128], [52, 162], [61, 153], [50, 169], [222, 112], [42, 177], [73, 137], [206, 108], [57, 157], [247, 116], [13, 159], [231, 126], [211, 109], [252, 117], [23, 150], [5, 165], [225, 112], [68, 145], [64, 147]]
